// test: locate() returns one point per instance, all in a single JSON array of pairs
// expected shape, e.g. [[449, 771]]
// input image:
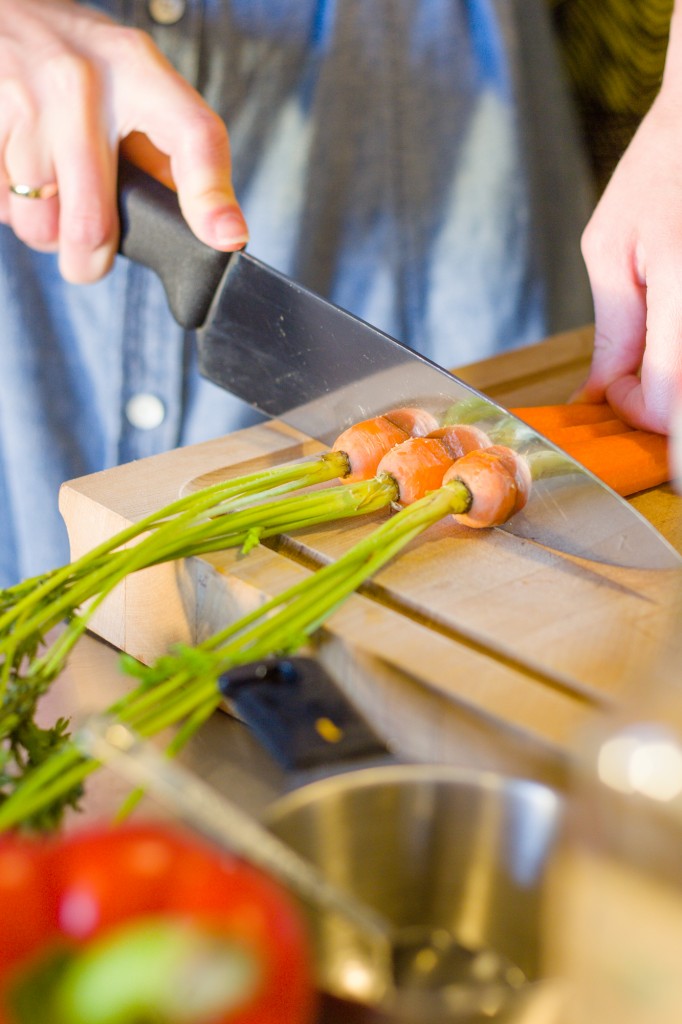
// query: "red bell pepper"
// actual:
[[144, 921]]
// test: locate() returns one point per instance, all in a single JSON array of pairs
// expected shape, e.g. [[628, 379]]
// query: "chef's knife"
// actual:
[[292, 355]]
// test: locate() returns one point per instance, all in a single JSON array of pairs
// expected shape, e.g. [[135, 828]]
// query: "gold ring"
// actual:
[[47, 191]]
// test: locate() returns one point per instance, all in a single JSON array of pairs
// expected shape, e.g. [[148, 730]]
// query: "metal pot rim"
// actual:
[[400, 774]]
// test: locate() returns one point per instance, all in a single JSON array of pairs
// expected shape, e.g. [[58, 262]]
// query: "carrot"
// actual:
[[491, 484], [365, 444], [460, 438], [586, 431], [520, 471], [415, 422], [417, 466], [547, 419], [628, 463]]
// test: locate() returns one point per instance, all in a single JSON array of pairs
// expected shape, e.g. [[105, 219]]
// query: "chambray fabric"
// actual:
[[416, 161]]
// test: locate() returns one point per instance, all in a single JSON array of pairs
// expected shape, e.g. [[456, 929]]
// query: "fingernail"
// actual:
[[230, 229]]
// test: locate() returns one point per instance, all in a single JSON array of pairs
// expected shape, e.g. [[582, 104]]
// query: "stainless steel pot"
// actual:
[[458, 852]]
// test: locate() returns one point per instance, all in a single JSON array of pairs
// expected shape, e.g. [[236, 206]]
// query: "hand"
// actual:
[[633, 251], [73, 84]]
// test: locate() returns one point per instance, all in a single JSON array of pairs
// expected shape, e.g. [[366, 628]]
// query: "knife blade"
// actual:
[[294, 356]]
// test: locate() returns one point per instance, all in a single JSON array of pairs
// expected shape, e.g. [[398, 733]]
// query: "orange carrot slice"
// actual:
[[365, 444], [417, 466], [628, 462], [492, 486]]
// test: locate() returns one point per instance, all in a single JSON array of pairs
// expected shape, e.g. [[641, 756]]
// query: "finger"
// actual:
[[34, 218], [201, 169], [620, 317], [85, 165], [15, 104], [4, 189], [647, 400], [194, 138], [28, 164], [4, 176], [626, 398]]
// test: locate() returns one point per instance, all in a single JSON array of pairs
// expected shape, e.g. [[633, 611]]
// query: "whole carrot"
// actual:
[[586, 431], [547, 419], [629, 462]]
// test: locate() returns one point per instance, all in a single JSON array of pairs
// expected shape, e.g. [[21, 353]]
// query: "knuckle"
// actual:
[[131, 47], [68, 73], [87, 227], [604, 340], [205, 134], [17, 101]]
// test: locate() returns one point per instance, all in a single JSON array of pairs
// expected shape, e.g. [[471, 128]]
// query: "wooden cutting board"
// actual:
[[476, 648]]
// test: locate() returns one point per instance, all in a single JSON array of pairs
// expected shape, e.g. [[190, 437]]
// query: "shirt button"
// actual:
[[145, 411], [167, 12]]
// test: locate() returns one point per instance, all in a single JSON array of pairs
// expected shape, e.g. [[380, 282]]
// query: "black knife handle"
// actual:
[[154, 233], [298, 713]]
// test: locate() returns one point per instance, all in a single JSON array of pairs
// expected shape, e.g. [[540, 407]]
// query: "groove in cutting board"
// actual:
[[397, 586], [382, 596]]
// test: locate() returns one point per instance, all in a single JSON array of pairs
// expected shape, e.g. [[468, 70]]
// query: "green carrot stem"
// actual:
[[308, 603], [43, 796], [284, 514], [187, 730], [322, 468], [178, 537], [350, 499], [56, 767], [302, 609]]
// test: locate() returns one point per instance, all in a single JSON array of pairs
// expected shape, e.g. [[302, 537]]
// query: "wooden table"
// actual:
[[506, 685]]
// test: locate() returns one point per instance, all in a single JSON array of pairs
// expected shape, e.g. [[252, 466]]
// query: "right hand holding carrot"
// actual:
[[633, 252], [73, 84]]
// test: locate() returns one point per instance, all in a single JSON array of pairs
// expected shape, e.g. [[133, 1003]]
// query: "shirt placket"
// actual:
[[154, 348]]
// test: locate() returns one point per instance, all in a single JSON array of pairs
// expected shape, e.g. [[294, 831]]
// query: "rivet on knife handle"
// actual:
[[154, 233]]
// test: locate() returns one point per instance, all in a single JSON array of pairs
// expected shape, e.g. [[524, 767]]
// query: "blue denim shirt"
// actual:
[[415, 161]]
